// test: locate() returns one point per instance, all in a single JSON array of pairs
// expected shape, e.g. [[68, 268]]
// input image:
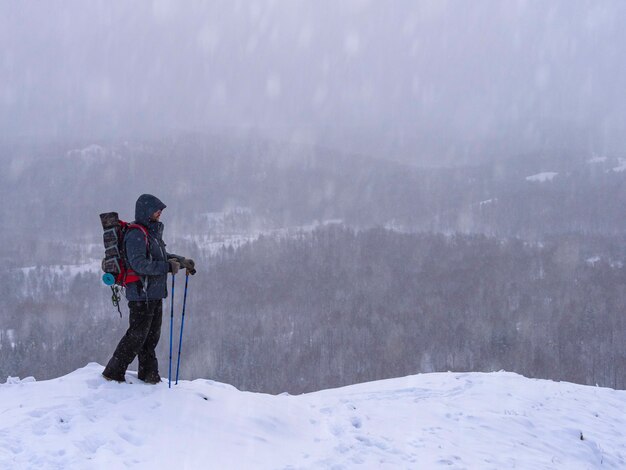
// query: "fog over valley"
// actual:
[[369, 189]]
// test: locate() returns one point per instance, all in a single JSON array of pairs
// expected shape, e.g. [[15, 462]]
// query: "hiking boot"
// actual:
[[114, 370], [153, 379], [114, 379]]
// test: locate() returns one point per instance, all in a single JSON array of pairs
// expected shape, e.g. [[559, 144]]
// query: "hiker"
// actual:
[[146, 255]]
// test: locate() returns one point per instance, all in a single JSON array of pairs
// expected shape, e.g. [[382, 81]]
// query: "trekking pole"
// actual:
[[182, 324], [169, 374]]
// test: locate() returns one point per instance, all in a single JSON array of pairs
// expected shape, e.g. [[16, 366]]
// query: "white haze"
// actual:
[[424, 81]]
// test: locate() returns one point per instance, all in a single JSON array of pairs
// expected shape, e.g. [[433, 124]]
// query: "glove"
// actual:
[[174, 266], [189, 265]]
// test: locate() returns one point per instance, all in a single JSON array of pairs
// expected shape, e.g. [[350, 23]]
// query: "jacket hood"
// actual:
[[146, 205]]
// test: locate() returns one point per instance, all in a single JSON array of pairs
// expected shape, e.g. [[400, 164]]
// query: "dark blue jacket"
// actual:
[[150, 263]]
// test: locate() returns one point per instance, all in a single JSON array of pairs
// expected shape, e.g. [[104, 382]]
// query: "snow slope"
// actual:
[[542, 177], [447, 420]]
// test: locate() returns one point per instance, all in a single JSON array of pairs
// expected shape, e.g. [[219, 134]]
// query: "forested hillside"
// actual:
[[514, 265], [338, 306]]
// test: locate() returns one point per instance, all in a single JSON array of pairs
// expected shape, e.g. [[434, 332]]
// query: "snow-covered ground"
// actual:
[[214, 242], [71, 270], [449, 420], [542, 177], [621, 166], [211, 243]]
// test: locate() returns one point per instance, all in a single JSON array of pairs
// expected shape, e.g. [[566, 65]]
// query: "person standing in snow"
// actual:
[[149, 259]]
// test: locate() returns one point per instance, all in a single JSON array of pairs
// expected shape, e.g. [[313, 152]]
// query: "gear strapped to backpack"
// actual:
[[117, 271]]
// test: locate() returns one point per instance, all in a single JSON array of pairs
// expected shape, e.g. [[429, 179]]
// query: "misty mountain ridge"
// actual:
[[294, 184]]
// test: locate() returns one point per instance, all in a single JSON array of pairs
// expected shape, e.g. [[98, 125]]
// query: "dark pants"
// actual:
[[140, 340]]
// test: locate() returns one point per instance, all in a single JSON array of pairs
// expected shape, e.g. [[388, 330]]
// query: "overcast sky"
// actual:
[[415, 79]]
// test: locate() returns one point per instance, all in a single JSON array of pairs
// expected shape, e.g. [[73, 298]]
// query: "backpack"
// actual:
[[117, 272]]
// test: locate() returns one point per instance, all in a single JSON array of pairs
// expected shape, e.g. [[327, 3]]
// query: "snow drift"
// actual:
[[454, 420]]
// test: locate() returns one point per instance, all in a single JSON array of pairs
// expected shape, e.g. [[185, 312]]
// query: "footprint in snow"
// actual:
[[95, 383], [90, 444], [131, 439], [10, 443], [39, 412], [454, 460], [63, 423], [372, 443], [356, 422]]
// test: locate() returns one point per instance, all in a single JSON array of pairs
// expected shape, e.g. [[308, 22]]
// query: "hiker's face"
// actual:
[[155, 216]]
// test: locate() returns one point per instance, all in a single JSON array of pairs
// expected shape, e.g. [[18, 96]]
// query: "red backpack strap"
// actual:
[[129, 276]]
